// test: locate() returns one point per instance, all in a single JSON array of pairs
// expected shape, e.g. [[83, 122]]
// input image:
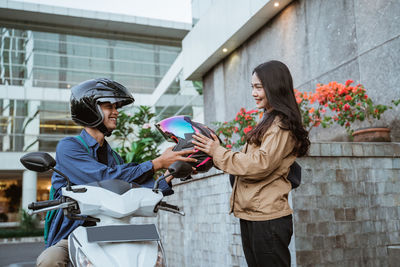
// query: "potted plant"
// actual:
[[344, 104]]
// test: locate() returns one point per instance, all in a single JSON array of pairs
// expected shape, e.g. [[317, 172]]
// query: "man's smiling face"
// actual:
[[110, 115]]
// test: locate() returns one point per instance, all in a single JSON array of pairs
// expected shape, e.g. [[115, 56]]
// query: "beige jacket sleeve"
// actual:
[[258, 163]]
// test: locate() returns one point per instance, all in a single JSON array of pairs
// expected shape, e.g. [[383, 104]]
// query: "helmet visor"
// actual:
[[175, 127], [120, 101]]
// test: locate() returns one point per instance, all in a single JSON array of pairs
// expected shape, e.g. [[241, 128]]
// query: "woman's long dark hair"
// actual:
[[277, 82]]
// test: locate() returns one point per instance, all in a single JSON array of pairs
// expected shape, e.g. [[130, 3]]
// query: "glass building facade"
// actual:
[[181, 98], [31, 59]]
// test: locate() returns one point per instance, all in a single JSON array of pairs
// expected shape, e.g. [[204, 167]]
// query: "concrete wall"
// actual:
[[346, 211], [320, 41]]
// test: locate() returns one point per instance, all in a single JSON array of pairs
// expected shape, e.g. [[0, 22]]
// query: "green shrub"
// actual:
[[28, 222], [18, 232], [28, 227]]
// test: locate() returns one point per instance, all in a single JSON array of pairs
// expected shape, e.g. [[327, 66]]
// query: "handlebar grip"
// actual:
[[44, 204], [165, 204]]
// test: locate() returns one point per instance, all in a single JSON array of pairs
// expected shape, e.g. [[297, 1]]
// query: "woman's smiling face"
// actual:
[[258, 93]]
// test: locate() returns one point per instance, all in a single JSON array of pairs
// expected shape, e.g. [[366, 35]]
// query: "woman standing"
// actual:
[[260, 192]]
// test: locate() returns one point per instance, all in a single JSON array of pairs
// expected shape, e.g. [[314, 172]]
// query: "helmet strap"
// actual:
[[102, 128]]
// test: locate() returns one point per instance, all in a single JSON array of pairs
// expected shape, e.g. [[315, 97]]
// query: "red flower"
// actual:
[[346, 107], [247, 129], [348, 82], [347, 124], [229, 146], [348, 98]]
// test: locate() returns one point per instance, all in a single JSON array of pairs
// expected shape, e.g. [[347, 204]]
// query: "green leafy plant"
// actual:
[[28, 222], [138, 141]]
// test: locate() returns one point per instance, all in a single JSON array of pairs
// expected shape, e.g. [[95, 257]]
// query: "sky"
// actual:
[[175, 10]]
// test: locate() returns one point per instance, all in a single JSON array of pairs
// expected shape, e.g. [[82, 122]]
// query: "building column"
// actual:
[[29, 181]]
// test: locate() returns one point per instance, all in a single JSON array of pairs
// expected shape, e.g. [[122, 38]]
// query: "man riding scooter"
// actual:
[[89, 158]]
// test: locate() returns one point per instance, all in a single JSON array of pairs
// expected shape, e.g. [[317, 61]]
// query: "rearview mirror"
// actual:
[[38, 161]]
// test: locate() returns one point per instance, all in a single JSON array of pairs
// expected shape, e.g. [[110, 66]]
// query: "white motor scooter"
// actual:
[[110, 204]]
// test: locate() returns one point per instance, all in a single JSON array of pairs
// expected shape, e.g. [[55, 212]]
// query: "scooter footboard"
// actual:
[[114, 245]]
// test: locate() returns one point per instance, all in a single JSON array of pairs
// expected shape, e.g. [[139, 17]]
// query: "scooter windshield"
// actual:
[[175, 127]]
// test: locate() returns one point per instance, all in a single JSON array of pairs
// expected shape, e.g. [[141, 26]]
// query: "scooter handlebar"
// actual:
[[168, 207], [44, 204]]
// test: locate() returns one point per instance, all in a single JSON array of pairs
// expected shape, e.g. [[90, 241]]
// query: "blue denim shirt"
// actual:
[[81, 168]]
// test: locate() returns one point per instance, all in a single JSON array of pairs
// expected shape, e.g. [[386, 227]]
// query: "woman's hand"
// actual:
[[205, 144]]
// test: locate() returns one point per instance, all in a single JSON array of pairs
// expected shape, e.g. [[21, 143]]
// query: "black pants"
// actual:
[[265, 243]]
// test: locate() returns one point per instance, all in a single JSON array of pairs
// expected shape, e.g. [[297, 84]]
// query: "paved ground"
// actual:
[[19, 254]]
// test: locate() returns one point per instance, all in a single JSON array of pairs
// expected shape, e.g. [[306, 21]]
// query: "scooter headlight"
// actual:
[[161, 261], [82, 260]]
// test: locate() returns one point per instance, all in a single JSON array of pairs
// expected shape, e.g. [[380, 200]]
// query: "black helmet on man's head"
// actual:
[[86, 97]]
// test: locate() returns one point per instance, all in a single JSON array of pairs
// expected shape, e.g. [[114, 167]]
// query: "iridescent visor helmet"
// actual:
[[180, 129]]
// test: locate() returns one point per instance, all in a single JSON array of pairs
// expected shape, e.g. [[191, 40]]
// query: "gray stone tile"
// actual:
[[368, 149], [396, 148], [377, 21], [284, 38], [315, 149], [396, 163], [331, 35], [325, 149], [336, 149], [376, 72], [209, 101], [357, 150], [346, 149], [389, 150], [379, 150]]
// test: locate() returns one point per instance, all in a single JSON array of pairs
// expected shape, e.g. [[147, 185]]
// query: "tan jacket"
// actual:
[[260, 191]]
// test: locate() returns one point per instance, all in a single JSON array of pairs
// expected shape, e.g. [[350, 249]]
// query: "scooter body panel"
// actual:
[[97, 201]]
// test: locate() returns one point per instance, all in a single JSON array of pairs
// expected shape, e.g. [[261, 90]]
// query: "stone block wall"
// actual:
[[207, 235], [346, 211]]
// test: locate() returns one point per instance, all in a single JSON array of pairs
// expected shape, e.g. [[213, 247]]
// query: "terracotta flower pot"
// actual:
[[371, 134]]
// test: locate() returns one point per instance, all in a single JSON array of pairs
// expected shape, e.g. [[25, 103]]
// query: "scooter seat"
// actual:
[[116, 186]]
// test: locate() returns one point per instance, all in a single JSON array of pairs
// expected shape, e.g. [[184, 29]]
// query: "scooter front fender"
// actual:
[[128, 253]]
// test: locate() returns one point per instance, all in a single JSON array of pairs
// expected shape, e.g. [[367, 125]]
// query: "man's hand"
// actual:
[[168, 157]]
